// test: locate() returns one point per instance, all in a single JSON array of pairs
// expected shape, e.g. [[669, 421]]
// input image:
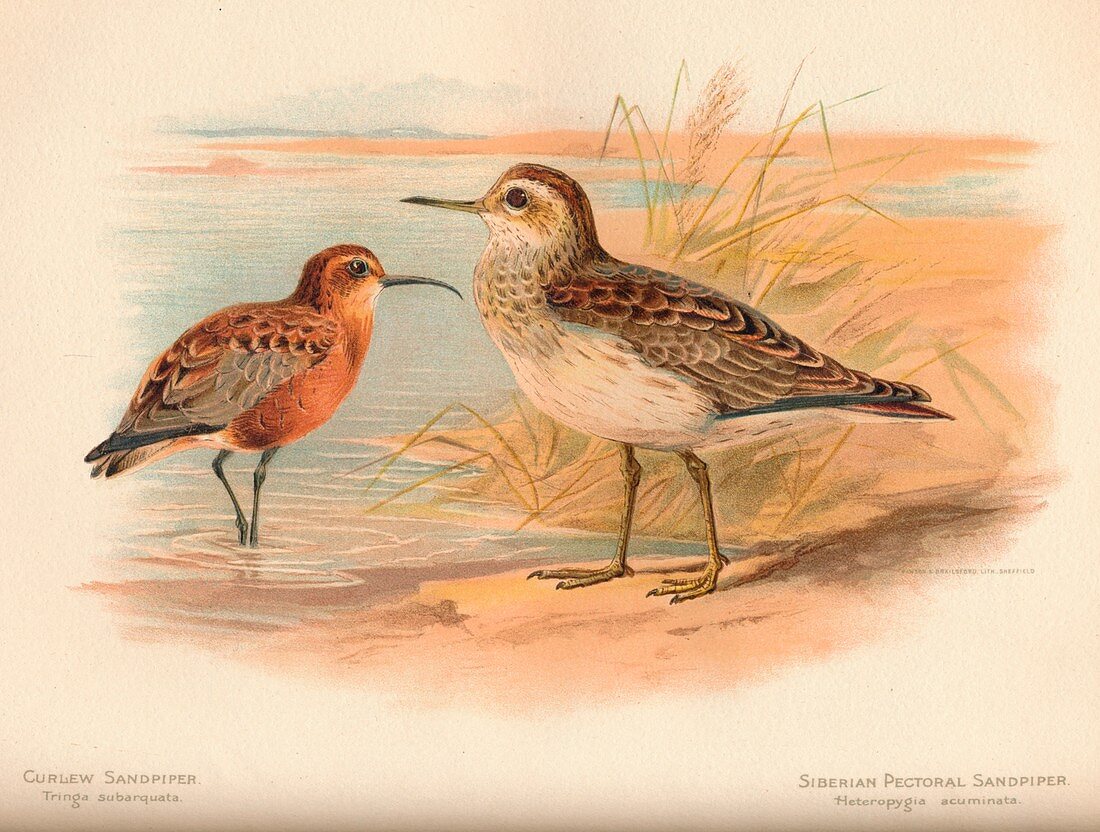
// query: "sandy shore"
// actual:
[[500, 640], [479, 632]]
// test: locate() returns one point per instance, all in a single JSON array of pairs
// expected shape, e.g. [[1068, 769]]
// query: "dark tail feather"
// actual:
[[901, 410], [99, 451], [130, 441], [115, 463]]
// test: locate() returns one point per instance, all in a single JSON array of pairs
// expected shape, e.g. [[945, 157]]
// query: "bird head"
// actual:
[[349, 278], [537, 205]]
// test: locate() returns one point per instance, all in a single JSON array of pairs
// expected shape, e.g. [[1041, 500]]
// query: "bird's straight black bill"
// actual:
[[411, 280], [474, 206]]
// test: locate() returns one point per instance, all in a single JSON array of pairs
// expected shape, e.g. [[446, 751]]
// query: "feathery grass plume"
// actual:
[[716, 108]]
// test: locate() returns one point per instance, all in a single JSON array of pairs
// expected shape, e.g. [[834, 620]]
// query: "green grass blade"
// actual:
[[828, 141]]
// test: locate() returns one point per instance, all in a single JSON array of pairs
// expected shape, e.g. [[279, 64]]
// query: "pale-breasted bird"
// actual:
[[256, 376], [642, 357]]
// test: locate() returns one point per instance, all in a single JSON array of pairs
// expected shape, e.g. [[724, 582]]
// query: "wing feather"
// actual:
[[221, 367], [740, 358]]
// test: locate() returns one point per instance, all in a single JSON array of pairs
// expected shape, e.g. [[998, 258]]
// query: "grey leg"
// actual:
[[242, 524], [705, 583], [257, 483], [574, 578]]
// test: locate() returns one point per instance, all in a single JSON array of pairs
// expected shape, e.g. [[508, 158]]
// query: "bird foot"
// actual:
[[242, 532], [576, 578], [685, 590]]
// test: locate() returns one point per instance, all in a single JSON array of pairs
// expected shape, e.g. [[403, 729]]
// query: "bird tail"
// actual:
[[894, 399], [123, 452], [901, 410], [108, 464], [908, 402]]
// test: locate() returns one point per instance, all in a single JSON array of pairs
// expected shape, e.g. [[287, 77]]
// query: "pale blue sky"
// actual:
[[978, 67]]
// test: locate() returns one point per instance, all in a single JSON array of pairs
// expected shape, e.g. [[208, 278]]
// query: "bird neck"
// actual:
[[510, 284], [313, 290], [354, 313], [519, 266], [358, 325]]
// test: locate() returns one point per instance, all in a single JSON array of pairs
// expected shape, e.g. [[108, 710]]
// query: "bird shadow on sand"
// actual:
[[479, 630]]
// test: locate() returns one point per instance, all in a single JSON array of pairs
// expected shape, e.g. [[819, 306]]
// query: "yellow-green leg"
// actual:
[[574, 578], [683, 590]]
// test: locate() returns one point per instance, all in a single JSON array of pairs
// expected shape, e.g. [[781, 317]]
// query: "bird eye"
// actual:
[[357, 267], [516, 198]]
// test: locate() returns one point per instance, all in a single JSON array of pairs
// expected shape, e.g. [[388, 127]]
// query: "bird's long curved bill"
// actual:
[[412, 280], [474, 206]]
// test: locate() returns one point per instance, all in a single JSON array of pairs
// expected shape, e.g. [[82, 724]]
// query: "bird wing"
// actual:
[[743, 361], [221, 367]]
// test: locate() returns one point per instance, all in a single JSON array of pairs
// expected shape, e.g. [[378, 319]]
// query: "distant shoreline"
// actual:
[[932, 155]]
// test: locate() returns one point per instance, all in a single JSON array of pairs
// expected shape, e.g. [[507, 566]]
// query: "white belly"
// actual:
[[598, 385]]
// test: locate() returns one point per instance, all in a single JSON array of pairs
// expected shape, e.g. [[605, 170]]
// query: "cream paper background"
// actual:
[[1000, 678]]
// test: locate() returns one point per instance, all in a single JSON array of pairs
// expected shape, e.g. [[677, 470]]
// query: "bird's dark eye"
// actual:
[[357, 268], [516, 198]]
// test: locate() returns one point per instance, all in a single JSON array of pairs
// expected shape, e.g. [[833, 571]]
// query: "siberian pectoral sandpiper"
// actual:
[[256, 376], [642, 357]]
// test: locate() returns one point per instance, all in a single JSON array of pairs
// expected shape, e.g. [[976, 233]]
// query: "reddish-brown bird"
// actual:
[[256, 376]]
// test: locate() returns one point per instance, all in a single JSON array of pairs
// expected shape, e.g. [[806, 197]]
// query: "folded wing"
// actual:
[[218, 369], [744, 362]]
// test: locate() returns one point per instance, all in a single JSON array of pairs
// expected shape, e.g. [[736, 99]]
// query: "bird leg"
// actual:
[[574, 578], [242, 524], [683, 590], [258, 478]]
